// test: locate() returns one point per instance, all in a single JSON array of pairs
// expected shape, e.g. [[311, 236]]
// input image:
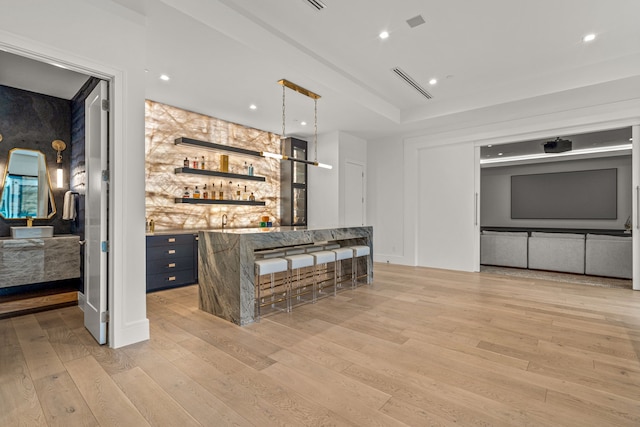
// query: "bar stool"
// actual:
[[341, 255], [321, 276], [300, 285], [262, 268], [359, 251]]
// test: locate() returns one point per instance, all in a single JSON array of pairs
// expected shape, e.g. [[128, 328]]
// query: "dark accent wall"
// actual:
[[32, 120], [78, 174]]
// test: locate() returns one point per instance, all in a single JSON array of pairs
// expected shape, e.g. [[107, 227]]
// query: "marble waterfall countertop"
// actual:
[[226, 262]]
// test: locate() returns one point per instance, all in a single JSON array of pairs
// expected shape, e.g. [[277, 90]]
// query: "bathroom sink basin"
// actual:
[[32, 232]]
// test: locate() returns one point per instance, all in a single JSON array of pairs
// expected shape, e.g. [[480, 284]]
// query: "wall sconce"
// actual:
[[59, 146]]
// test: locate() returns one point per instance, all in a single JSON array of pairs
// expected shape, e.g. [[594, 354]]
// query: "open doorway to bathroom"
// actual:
[[39, 104]]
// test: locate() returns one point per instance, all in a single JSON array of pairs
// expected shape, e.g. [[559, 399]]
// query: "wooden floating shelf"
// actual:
[[214, 146], [218, 173], [218, 202]]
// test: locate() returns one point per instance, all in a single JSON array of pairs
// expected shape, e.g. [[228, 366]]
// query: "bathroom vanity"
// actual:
[[37, 260]]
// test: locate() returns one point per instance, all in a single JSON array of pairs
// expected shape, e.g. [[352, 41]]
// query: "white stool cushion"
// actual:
[[324, 257], [294, 251], [360, 250], [343, 253], [268, 266], [299, 261]]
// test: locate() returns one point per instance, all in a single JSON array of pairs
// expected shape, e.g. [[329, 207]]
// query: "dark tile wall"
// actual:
[[32, 120]]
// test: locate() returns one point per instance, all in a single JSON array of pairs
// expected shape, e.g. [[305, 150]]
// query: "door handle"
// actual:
[[171, 251], [475, 210]]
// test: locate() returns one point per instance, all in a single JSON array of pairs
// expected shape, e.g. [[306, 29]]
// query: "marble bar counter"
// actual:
[[226, 262]]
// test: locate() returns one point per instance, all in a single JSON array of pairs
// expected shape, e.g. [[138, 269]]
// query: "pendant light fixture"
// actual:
[[287, 84]]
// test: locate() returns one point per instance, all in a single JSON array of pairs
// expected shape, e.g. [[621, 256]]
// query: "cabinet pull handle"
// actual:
[[171, 239], [172, 278], [171, 251], [173, 264]]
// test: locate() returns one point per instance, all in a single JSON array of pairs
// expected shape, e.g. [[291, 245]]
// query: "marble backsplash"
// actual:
[[163, 124]]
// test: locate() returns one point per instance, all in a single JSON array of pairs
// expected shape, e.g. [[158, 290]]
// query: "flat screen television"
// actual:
[[587, 194]]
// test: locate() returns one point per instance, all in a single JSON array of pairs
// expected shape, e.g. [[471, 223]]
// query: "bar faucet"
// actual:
[[224, 220]]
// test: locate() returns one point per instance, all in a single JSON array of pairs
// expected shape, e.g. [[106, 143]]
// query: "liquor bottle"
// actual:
[[205, 193], [251, 169], [196, 193], [186, 162], [245, 195], [252, 197], [238, 193], [246, 168], [202, 163], [195, 163], [230, 191], [186, 194], [221, 193]]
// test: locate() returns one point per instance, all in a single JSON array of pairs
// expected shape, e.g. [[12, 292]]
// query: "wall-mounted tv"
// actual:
[[587, 194]]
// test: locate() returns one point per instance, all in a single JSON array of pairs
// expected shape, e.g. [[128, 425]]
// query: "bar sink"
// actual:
[[32, 232]]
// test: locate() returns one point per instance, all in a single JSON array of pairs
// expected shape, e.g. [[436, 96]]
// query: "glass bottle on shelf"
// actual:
[[252, 197], [238, 193], [202, 163], [195, 163], [196, 193], [186, 194], [205, 193], [186, 162], [245, 195], [251, 169], [230, 191]]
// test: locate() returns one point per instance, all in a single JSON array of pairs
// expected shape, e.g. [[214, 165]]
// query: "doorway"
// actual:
[[79, 176], [354, 203]]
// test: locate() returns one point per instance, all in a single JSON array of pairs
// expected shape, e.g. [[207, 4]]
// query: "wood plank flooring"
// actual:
[[418, 347]]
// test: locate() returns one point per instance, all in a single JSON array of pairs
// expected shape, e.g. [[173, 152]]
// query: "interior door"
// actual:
[[354, 194], [635, 179], [96, 161]]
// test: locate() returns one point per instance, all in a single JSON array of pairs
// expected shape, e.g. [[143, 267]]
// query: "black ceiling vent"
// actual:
[[557, 146], [409, 80], [316, 4]]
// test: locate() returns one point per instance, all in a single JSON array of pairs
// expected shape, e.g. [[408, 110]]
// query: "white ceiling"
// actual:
[[224, 55]]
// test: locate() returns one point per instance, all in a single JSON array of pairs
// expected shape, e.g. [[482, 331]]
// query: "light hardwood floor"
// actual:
[[418, 347]]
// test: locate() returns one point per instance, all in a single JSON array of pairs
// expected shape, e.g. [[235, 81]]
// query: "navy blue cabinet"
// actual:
[[172, 261]]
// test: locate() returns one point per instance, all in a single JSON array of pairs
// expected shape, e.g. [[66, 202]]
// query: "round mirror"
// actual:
[[26, 188]]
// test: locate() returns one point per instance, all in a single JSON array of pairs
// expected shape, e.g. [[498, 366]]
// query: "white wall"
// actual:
[[104, 39], [326, 204], [496, 193]]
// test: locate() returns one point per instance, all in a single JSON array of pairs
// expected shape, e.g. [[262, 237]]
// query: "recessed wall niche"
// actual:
[[165, 123]]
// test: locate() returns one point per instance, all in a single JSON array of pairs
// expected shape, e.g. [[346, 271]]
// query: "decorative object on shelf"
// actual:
[[250, 202], [287, 84], [224, 163], [59, 146]]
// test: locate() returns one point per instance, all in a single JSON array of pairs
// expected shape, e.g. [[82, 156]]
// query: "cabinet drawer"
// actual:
[[172, 251], [158, 266], [173, 239], [170, 280]]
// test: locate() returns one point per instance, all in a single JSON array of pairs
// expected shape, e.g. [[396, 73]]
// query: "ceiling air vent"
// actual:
[[404, 76], [316, 4], [415, 21]]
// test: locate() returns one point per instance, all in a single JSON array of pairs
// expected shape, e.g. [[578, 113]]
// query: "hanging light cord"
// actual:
[[315, 128]]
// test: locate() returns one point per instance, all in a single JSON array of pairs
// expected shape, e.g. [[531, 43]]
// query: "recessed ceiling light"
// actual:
[[499, 154], [589, 38], [490, 145], [165, 77], [433, 81], [303, 123], [252, 106], [384, 35]]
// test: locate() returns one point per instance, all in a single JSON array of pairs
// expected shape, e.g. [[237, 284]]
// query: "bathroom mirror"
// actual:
[[26, 187]]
